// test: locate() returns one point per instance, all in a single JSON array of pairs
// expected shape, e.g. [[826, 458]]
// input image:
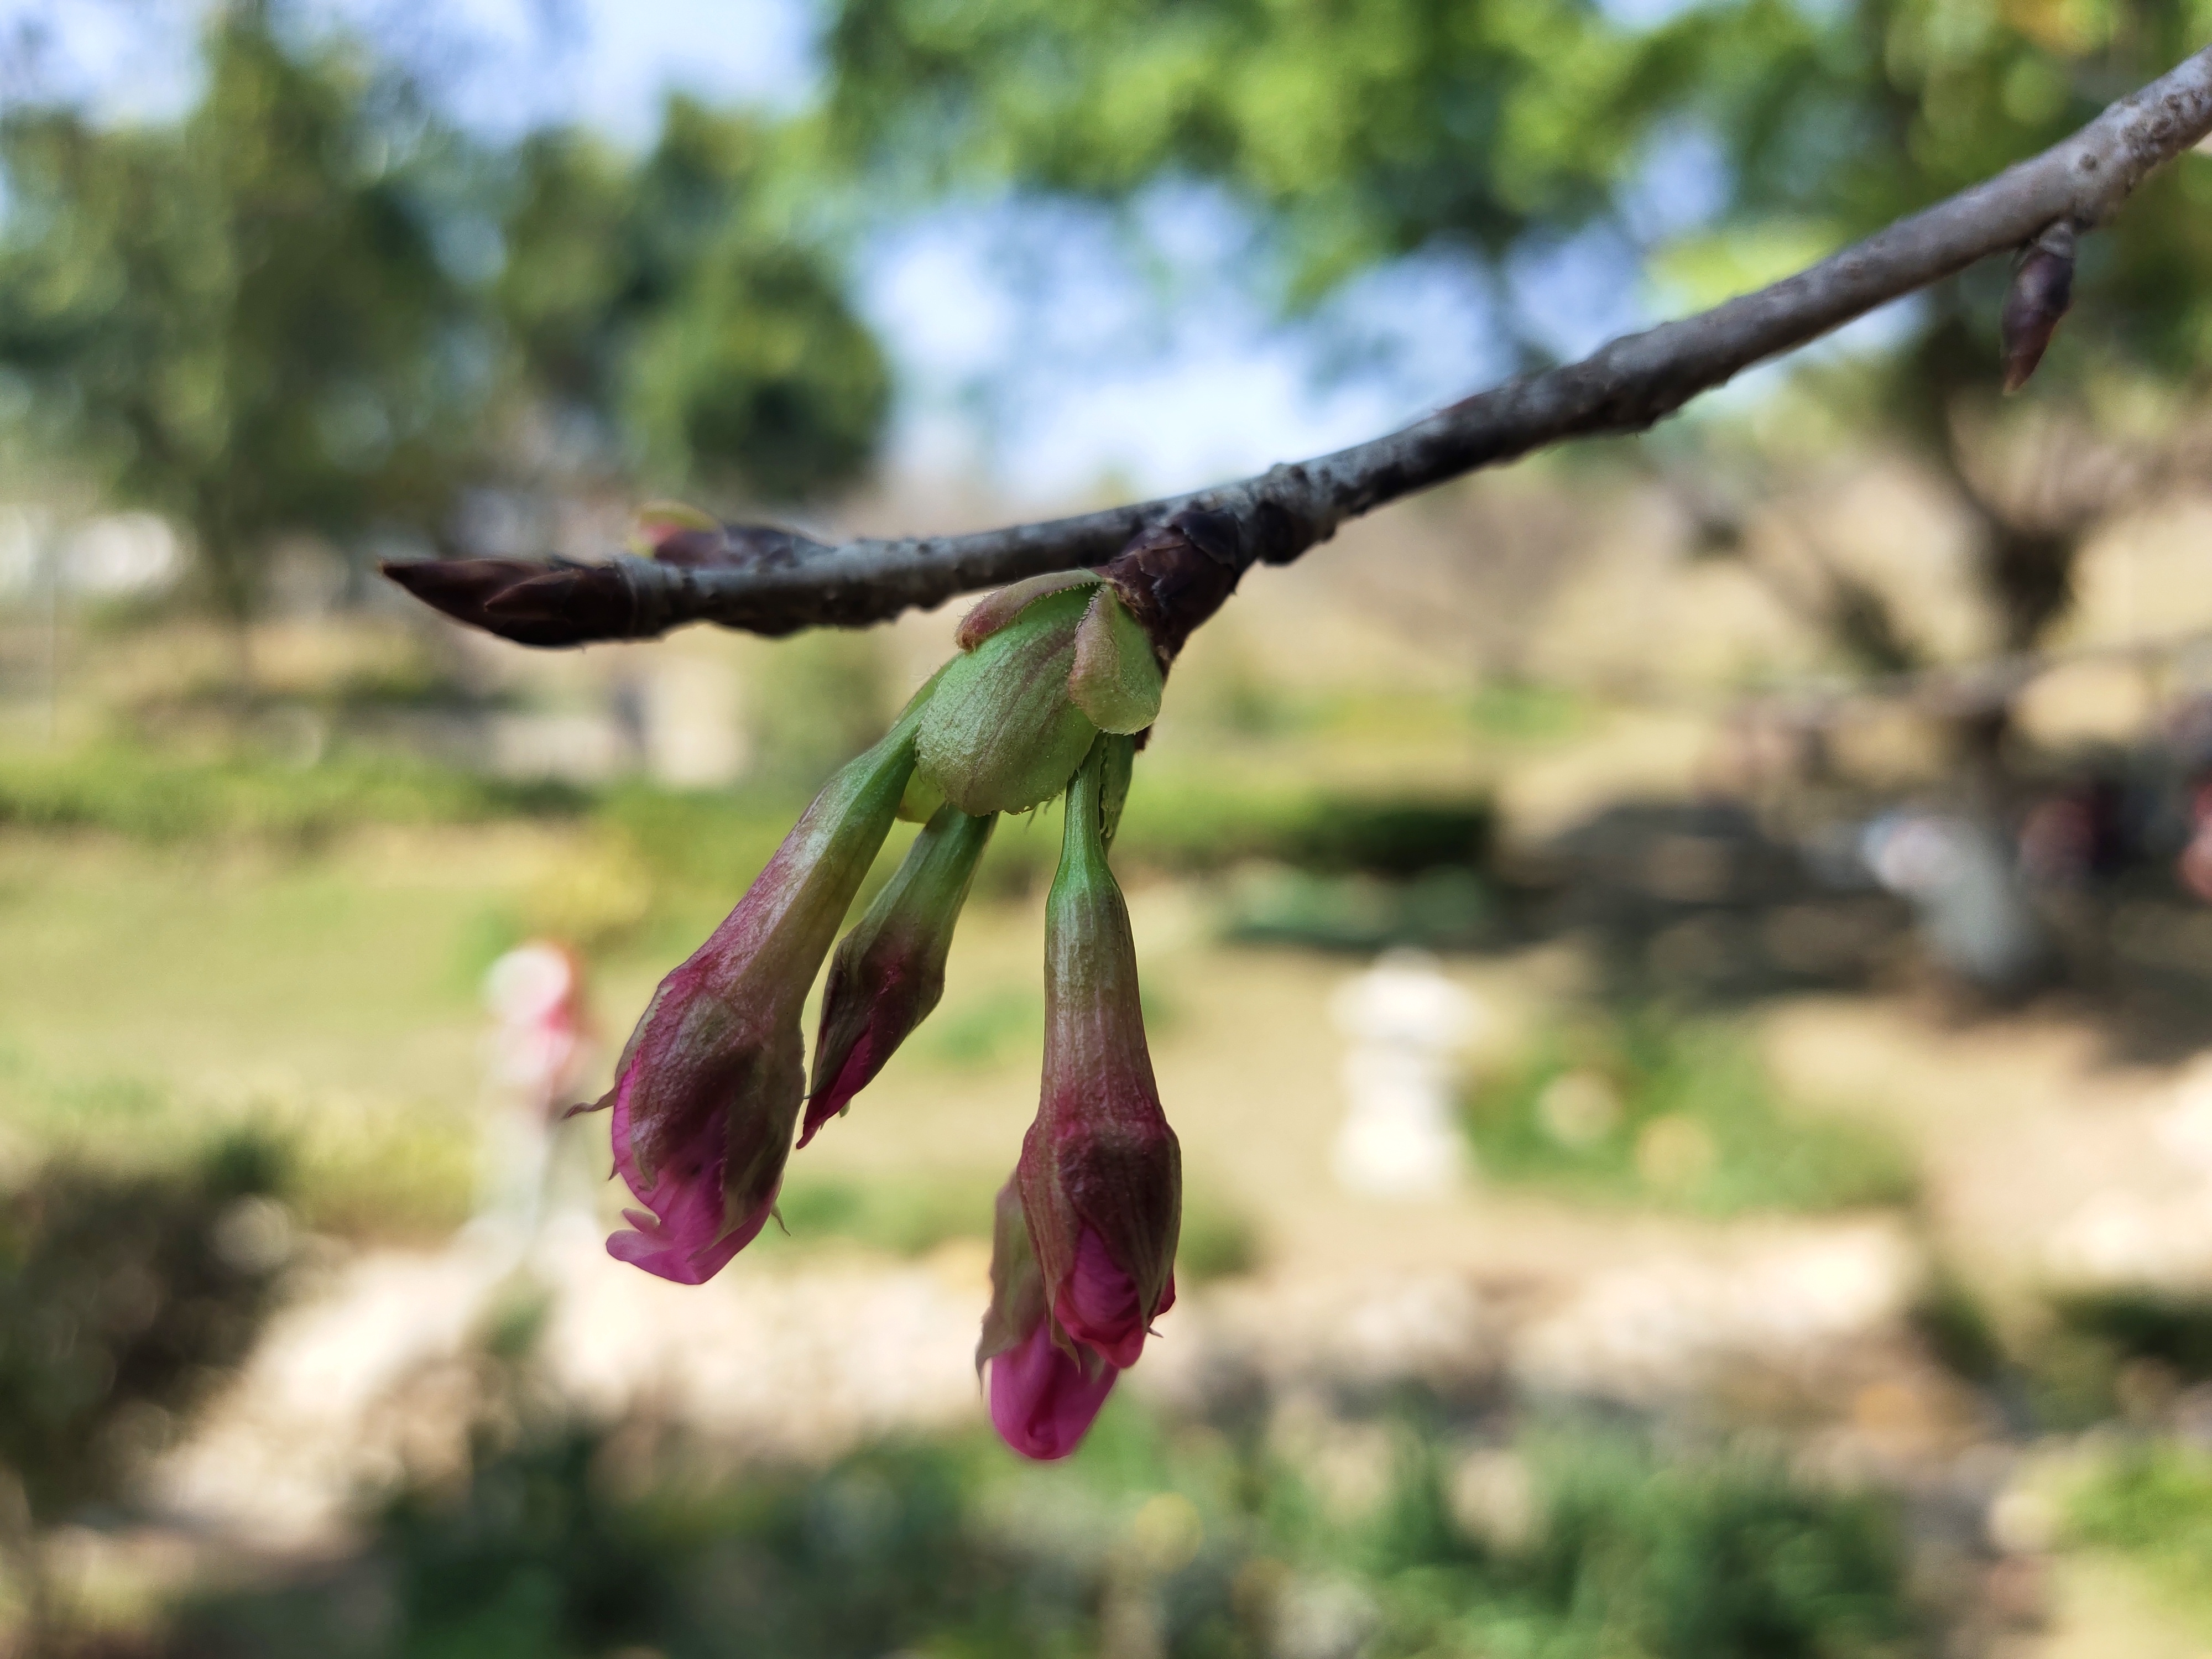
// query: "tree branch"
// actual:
[[774, 581]]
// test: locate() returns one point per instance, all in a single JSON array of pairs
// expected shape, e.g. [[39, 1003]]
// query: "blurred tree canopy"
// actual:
[[661, 303], [243, 321], [312, 309], [1360, 132]]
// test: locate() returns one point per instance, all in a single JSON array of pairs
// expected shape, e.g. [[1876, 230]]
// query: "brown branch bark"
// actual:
[[771, 581]]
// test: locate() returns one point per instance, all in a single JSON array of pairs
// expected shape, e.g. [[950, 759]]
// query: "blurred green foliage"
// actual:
[[1360, 131], [244, 320], [663, 301], [717, 838], [2096, 1346], [564, 1540], [123, 1299], [1442, 909], [312, 308], [1642, 1108], [148, 796], [1725, 143], [391, 1170], [2152, 1501]]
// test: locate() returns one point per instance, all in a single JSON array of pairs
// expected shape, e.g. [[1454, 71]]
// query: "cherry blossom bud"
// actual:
[[1101, 1173], [2042, 289], [677, 531], [523, 600], [1043, 1396], [672, 533], [1045, 666], [889, 972], [708, 1089]]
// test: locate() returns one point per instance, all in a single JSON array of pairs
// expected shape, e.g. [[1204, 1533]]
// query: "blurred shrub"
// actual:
[[1176, 820], [128, 791], [2099, 1345], [698, 840], [568, 1541], [826, 707], [1444, 909], [2152, 1503], [2173, 1327], [2093, 1354], [1724, 1555], [1371, 867], [123, 1299], [1712, 1557], [1642, 1108]]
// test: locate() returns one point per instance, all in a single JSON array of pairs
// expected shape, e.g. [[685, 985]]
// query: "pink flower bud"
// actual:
[[1044, 1396], [889, 972], [1101, 1173], [708, 1088]]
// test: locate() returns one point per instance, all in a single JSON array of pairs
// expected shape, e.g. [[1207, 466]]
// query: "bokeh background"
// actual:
[[1680, 967]]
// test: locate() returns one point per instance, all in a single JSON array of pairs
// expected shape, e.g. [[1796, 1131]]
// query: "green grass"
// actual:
[[1642, 1109]]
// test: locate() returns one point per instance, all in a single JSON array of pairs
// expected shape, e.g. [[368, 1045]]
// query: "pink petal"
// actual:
[[861, 1066], [1041, 1402], [679, 1233], [996, 611], [1098, 1305]]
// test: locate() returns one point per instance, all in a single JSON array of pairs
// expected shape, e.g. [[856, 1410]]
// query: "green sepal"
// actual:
[[1116, 679], [1000, 732]]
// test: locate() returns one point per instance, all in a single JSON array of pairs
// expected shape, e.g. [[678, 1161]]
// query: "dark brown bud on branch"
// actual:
[[1174, 577], [523, 600], [2042, 288], [670, 534]]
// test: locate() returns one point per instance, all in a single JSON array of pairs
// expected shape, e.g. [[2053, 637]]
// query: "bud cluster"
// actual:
[[1053, 679]]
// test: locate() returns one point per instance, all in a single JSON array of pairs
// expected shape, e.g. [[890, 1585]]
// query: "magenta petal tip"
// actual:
[[1042, 1403]]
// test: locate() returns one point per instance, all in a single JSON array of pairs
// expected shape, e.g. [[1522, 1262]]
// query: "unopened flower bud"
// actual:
[[1044, 667], [1044, 1396], [676, 532], [708, 1088], [524, 600], [889, 972], [1101, 1173], [2042, 289]]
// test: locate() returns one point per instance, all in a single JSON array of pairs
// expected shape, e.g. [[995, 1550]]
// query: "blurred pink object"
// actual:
[[536, 1056], [2195, 865], [540, 1035]]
